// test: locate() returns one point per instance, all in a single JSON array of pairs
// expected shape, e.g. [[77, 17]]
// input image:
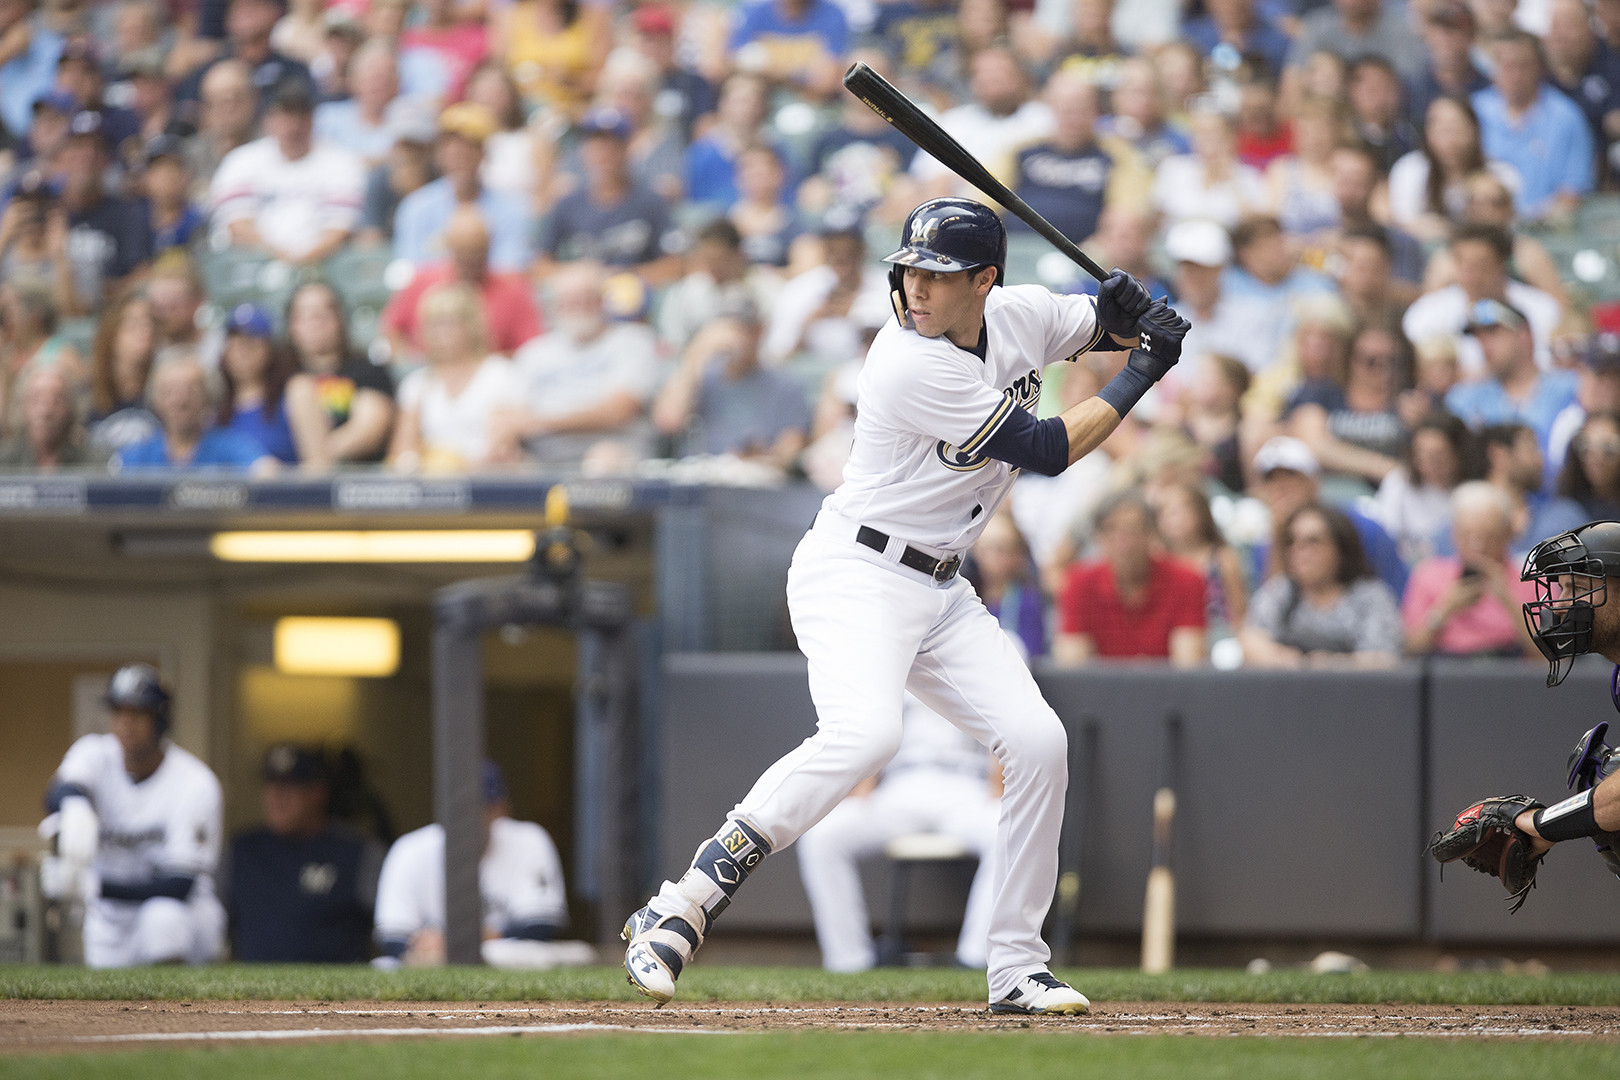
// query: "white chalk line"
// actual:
[[344, 1033]]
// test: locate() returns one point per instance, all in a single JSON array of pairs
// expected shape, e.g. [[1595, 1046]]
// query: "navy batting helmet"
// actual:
[[139, 686], [947, 235], [1571, 572]]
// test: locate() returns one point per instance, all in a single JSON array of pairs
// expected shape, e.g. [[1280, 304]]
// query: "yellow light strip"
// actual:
[[329, 646], [380, 545]]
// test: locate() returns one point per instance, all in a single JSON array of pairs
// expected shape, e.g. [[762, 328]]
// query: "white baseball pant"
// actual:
[[919, 799], [161, 930], [873, 629]]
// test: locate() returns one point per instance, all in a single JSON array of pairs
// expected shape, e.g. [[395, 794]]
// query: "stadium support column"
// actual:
[[606, 869]]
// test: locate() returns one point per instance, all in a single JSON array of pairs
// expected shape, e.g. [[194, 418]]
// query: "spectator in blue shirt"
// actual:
[[423, 214], [257, 369], [165, 181], [1515, 389], [799, 41], [1450, 71], [1069, 178], [108, 238], [1236, 28], [611, 218], [1536, 129], [185, 397], [30, 69], [1584, 68], [739, 121], [361, 122]]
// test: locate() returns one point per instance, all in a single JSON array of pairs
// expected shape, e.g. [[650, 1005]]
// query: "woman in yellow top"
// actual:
[[554, 50]]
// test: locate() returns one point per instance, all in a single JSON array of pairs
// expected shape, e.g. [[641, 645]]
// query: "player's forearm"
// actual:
[[1088, 425]]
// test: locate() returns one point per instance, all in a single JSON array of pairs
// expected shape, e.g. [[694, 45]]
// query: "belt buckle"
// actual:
[[945, 569]]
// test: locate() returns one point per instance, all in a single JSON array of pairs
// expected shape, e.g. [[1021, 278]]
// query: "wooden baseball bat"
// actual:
[[902, 114], [1159, 905]]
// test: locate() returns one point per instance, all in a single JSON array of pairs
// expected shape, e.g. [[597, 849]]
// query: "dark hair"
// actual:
[[1352, 560], [512, 118], [1573, 482], [1403, 352], [1254, 227], [720, 231], [1498, 239], [1462, 441], [278, 372], [1234, 371], [1373, 233], [338, 309], [103, 384], [1502, 435], [1208, 531], [1124, 499], [1371, 60], [1434, 189]]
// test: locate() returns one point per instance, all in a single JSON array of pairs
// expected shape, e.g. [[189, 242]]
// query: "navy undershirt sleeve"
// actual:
[[62, 790], [174, 886], [1024, 442]]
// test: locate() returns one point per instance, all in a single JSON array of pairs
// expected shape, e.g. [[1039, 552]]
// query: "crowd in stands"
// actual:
[[597, 235]]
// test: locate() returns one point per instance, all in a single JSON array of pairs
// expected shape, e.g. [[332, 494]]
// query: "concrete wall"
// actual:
[[1304, 799]]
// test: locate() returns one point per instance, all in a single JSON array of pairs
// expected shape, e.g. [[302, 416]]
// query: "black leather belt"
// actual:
[[938, 569]]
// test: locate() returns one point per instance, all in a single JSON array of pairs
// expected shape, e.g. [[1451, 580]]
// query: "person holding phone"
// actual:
[[1468, 604]]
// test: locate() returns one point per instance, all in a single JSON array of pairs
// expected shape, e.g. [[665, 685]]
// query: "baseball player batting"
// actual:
[[1508, 836], [945, 419], [137, 822]]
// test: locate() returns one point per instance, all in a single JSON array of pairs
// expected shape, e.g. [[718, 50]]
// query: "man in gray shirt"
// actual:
[[1357, 28]]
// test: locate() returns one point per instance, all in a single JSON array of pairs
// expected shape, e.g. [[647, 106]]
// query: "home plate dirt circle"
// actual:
[[27, 1026]]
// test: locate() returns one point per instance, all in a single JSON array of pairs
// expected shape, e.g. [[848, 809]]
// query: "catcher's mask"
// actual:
[[1571, 578]]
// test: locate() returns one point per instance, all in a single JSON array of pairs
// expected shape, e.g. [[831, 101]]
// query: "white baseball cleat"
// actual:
[[660, 946], [1039, 994]]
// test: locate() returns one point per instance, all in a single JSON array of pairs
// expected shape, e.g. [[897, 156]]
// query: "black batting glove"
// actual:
[[1160, 331], [1121, 301]]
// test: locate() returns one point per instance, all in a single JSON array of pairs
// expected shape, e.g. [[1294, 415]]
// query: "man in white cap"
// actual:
[[1200, 251], [1287, 478]]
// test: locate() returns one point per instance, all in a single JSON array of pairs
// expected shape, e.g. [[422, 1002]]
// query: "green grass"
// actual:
[[824, 1056], [787, 984]]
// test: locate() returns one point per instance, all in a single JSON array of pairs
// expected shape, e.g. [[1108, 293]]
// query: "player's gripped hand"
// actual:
[[1160, 331], [1121, 301]]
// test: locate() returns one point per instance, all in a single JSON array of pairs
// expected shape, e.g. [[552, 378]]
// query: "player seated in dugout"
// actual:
[[519, 877], [300, 888], [1130, 602]]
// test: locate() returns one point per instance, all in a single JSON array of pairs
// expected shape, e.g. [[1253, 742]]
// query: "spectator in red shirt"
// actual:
[[1131, 602], [509, 308]]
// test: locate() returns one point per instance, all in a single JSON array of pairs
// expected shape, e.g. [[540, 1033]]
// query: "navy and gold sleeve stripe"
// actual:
[[996, 418], [1096, 339]]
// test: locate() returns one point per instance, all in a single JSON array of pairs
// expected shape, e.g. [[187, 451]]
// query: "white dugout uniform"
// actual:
[[519, 876], [167, 825], [938, 781], [873, 628]]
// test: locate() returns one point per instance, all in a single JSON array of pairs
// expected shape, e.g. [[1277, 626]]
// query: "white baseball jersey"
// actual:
[[925, 408], [520, 877], [168, 824]]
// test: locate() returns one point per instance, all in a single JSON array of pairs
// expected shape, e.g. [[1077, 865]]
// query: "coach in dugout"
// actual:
[[519, 877], [300, 887], [137, 826]]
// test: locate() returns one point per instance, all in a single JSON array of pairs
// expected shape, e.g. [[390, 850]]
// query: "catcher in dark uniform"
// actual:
[[1573, 613]]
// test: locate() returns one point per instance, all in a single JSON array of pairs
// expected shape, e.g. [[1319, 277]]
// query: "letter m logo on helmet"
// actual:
[[923, 231]]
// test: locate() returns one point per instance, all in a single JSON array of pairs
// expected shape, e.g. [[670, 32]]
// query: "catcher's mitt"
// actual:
[[1485, 839]]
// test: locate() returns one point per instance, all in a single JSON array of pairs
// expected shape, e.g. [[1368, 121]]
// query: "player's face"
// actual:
[[943, 304], [135, 730]]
